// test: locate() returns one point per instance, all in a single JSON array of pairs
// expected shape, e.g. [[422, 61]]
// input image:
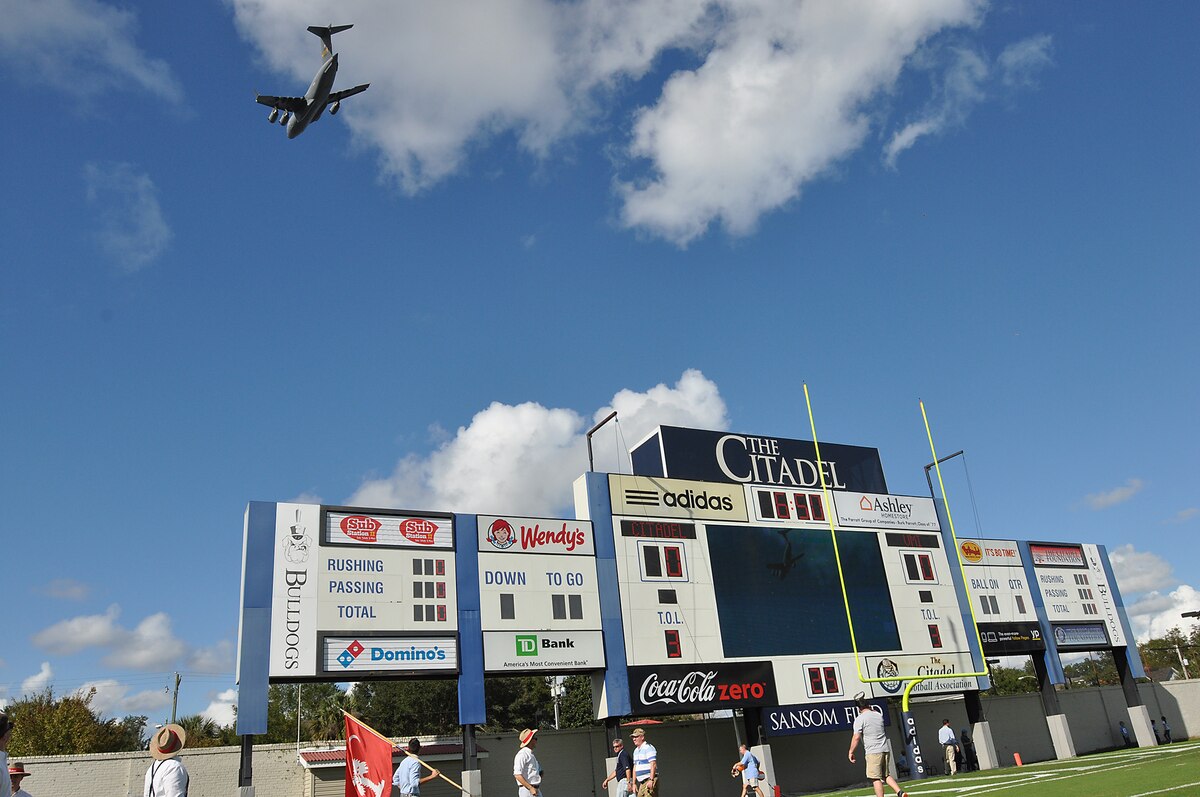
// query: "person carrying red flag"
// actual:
[[368, 761]]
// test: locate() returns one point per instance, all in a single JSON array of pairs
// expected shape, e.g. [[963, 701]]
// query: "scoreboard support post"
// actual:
[[981, 732], [1139, 716], [912, 746]]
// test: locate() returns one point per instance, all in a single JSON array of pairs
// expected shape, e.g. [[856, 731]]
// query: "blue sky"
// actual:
[[539, 212]]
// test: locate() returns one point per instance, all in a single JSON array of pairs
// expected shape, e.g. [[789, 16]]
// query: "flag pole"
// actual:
[[388, 739]]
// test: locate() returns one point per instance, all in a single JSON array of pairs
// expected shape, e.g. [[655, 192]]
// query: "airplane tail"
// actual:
[[326, 34]]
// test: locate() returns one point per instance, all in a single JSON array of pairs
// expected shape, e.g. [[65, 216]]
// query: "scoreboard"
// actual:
[[538, 595], [739, 583], [1004, 604], [1077, 594], [359, 591]]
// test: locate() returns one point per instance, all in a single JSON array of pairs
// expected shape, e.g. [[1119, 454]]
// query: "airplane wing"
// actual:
[[338, 96], [289, 104]]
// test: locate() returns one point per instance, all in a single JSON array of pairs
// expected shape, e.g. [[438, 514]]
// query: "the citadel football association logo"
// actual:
[[500, 534], [888, 669]]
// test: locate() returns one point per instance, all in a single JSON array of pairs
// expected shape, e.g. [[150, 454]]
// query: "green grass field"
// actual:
[[1170, 770]]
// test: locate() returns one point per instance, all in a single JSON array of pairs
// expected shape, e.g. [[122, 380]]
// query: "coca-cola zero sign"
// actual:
[[689, 688]]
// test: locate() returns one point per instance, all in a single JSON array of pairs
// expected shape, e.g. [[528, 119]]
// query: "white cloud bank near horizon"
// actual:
[[769, 94], [151, 645], [523, 458], [1153, 605]]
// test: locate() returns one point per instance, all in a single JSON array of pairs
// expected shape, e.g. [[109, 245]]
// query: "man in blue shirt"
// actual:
[[623, 772], [748, 766], [407, 780]]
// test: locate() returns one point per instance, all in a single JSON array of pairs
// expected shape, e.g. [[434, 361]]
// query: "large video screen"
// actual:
[[778, 594]]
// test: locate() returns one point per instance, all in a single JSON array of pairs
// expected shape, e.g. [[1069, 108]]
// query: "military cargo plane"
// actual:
[[299, 112]]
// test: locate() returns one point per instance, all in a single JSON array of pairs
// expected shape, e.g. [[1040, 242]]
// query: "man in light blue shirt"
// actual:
[[750, 773], [407, 780]]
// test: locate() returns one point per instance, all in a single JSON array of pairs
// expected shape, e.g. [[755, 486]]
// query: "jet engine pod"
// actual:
[[274, 116], [284, 119], [333, 109]]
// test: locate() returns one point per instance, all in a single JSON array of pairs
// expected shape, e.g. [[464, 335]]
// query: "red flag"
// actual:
[[368, 761]]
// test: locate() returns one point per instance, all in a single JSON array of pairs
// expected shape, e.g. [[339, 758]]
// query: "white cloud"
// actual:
[[960, 90], [1183, 515], [84, 48], [1157, 613], [770, 94], [965, 83], [38, 682], [79, 633], [67, 589], [1140, 571], [523, 458], [221, 709], [148, 646], [112, 698], [219, 657], [132, 229], [1021, 62], [1117, 495]]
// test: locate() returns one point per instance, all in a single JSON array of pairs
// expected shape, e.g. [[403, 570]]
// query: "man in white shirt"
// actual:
[[868, 728], [16, 774], [949, 744], [526, 769], [645, 765], [167, 777], [5, 735]]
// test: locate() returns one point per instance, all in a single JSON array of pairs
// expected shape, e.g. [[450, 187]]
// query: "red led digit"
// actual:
[[674, 651], [674, 561]]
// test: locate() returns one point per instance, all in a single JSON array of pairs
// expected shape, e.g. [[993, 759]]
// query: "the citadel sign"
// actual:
[[752, 459]]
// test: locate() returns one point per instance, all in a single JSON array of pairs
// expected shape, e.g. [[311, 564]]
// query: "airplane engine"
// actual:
[[333, 109], [273, 116], [284, 119]]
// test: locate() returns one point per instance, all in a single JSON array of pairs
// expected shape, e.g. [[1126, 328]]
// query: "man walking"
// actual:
[[167, 776], [950, 746], [748, 766], [407, 780], [526, 769], [868, 728], [623, 772], [645, 765]]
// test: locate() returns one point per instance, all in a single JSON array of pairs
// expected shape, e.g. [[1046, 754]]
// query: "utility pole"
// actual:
[[175, 699], [1182, 662]]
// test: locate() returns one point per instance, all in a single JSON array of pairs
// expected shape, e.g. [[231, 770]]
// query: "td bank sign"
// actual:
[[543, 651]]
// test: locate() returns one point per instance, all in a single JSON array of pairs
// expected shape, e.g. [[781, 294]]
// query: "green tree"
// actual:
[[201, 731], [317, 707], [1011, 681], [575, 709], [122, 735], [49, 726], [408, 707]]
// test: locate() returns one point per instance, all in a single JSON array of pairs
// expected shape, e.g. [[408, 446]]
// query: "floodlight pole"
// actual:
[[592, 431], [933, 465]]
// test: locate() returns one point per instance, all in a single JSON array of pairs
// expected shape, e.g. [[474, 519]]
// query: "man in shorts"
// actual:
[[748, 766], [645, 765], [868, 727]]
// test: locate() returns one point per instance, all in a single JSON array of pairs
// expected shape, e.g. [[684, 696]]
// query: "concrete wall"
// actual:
[[694, 757]]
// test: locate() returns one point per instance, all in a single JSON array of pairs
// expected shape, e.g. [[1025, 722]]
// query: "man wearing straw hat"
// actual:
[[17, 773], [526, 769], [167, 777], [407, 780]]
